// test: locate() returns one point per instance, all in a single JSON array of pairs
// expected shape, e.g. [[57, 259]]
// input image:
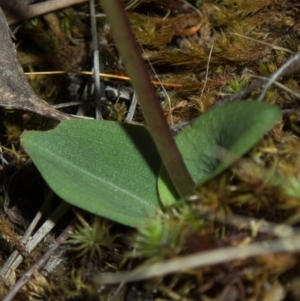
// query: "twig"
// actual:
[[106, 75], [291, 63], [131, 109], [207, 69], [264, 43], [288, 70], [96, 61], [38, 265], [131, 4], [25, 12], [163, 88], [242, 93], [70, 104], [279, 85], [254, 225], [202, 259], [117, 293]]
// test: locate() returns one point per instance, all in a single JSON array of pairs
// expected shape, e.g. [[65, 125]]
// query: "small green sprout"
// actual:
[[160, 238], [90, 239], [292, 187], [235, 86]]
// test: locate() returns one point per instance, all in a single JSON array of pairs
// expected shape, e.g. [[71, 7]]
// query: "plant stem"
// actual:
[[153, 113]]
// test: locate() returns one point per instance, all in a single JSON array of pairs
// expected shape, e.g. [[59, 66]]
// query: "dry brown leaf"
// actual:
[[15, 91]]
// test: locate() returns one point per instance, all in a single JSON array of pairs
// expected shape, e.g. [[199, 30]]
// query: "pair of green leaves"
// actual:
[[114, 170]]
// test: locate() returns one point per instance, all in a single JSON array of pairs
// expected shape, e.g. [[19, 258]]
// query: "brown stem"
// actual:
[[153, 113]]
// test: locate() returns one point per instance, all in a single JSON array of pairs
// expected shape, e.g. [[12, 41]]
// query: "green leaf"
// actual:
[[104, 167], [216, 139]]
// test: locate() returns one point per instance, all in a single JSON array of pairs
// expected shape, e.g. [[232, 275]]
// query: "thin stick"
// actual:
[[131, 109], [131, 4], [38, 265], [106, 75], [279, 85], [96, 61], [259, 82], [207, 69], [118, 292], [254, 225], [70, 104], [294, 61], [202, 259], [264, 43], [163, 88]]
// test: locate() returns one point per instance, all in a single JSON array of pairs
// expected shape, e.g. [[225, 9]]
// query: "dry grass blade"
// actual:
[[47, 226], [38, 265], [6, 267]]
